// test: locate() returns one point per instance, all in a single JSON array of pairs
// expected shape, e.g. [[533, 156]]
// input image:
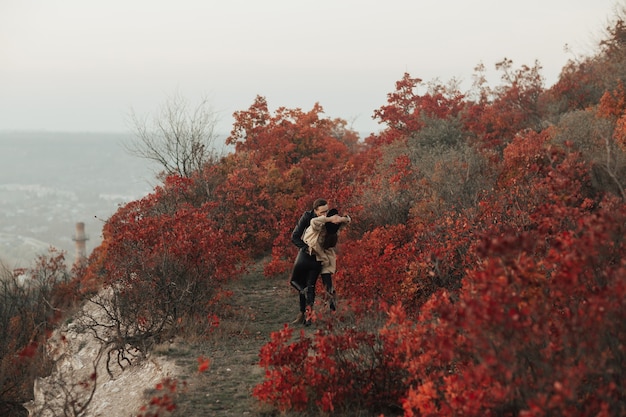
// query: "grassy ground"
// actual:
[[260, 306]]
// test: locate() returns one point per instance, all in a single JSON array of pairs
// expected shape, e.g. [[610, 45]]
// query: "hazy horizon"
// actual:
[[52, 180]]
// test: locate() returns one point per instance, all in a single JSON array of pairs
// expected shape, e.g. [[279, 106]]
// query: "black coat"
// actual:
[[298, 231], [306, 268]]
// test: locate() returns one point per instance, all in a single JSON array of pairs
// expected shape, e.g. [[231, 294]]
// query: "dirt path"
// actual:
[[260, 306]]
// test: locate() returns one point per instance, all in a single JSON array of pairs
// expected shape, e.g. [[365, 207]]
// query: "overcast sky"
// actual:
[[82, 65]]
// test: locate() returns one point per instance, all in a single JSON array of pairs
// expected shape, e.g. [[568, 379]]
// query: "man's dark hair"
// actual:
[[319, 202]]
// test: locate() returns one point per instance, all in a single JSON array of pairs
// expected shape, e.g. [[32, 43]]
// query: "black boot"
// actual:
[[299, 319], [308, 316], [330, 291]]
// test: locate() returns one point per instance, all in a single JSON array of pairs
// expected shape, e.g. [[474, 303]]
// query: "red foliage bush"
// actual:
[[537, 269], [347, 368], [518, 340], [164, 261]]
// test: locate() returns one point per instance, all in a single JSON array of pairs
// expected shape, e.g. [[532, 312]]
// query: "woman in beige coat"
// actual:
[[321, 239]]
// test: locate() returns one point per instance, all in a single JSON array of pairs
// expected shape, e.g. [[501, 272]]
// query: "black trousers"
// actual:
[[306, 269]]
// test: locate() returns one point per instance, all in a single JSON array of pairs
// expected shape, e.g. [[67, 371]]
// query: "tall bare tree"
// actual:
[[179, 137]]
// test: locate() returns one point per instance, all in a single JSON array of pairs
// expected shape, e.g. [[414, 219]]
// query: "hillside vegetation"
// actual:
[[483, 272]]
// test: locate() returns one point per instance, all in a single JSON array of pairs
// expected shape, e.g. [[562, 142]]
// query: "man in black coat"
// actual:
[[306, 267]]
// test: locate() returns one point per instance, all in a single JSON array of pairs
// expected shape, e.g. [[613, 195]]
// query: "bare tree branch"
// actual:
[[179, 138]]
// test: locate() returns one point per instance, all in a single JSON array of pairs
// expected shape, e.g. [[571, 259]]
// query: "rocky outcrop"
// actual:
[[80, 384]]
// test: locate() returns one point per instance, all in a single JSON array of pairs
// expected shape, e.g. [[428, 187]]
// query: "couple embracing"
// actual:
[[315, 235]]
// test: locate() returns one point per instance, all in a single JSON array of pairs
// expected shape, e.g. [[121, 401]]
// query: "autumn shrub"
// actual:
[[513, 106], [280, 159], [389, 193], [457, 176], [598, 141], [343, 368], [517, 342], [584, 132], [163, 398], [514, 340], [162, 265], [407, 263], [418, 126], [248, 200], [579, 86], [490, 305], [379, 274], [559, 253], [282, 255], [33, 301]]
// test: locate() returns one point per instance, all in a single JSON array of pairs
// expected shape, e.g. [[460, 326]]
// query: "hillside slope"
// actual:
[[258, 307]]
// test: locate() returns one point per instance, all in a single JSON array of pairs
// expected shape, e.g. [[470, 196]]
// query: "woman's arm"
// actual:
[[339, 219]]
